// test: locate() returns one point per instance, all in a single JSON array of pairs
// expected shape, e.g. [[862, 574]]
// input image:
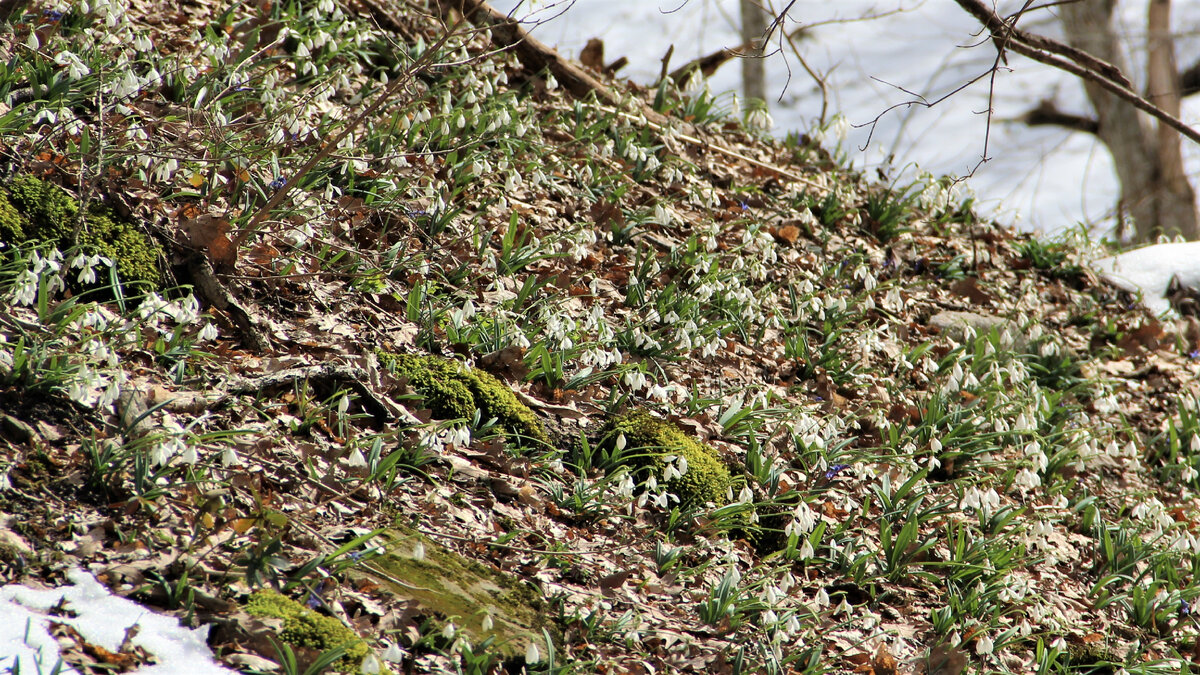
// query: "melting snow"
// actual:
[[102, 619]]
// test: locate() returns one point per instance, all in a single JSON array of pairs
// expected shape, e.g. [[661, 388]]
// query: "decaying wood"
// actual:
[[326, 375], [205, 280]]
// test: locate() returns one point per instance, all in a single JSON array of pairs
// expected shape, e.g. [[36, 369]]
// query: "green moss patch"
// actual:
[[450, 588], [302, 627], [648, 440], [451, 390], [33, 209]]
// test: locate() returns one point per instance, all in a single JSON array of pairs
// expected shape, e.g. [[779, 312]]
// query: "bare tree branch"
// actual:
[[1189, 80], [1071, 60], [1047, 113]]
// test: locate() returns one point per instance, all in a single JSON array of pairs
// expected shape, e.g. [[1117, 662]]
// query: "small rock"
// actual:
[[954, 325]]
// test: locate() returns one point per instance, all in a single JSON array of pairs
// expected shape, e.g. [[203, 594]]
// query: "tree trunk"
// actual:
[[1155, 192], [754, 25]]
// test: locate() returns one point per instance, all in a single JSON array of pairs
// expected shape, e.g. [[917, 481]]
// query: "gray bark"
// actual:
[[754, 25]]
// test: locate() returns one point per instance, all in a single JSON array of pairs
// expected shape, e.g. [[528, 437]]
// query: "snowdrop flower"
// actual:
[[532, 655], [792, 626], [984, 645], [162, 452], [370, 664], [486, 624], [804, 517], [25, 288], [356, 459], [669, 471], [759, 120], [625, 488], [229, 457], [76, 68], [207, 333], [746, 495], [394, 653], [843, 608], [659, 392], [418, 552], [806, 551], [822, 598], [1027, 479]]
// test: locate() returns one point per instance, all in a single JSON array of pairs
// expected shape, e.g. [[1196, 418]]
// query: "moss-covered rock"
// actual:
[[452, 390], [483, 603], [10, 221], [649, 439], [33, 209], [302, 627]]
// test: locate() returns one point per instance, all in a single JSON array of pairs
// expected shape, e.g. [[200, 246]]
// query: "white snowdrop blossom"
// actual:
[[356, 459], [746, 495], [370, 664], [984, 645], [626, 486], [806, 551], [87, 266], [76, 68], [635, 380], [229, 457], [1027, 479], [759, 120], [532, 655], [395, 653], [162, 452], [25, 288], [207, 333]]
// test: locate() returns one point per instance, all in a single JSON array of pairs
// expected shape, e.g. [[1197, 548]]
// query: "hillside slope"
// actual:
[[494, 364]]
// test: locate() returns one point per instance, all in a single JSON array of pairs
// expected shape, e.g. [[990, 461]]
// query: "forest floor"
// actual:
[[495, 363]]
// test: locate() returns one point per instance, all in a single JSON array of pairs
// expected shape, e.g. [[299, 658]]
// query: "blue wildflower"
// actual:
[[835, 470]]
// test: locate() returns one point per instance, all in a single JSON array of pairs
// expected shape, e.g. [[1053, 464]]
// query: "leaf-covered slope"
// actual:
[[948, 443]]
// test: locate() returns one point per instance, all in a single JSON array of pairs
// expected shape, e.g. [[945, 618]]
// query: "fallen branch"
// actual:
[[326, 375], [205, 281]]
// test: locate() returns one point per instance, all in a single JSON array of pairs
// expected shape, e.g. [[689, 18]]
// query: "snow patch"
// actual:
[[102, 619], [1149, 271]]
